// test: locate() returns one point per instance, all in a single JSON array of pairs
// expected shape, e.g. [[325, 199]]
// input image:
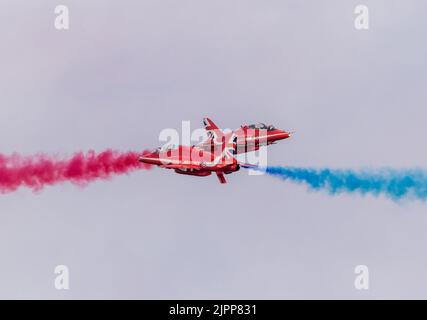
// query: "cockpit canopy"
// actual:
[[168, 147], [155, 151], [261, 126], [257, 126], [164, 148]]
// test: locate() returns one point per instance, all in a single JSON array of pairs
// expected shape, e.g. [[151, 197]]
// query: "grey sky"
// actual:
[[128, 69]]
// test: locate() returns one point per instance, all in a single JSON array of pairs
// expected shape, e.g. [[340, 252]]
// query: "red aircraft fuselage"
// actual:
[[192, 161], [247, 138]]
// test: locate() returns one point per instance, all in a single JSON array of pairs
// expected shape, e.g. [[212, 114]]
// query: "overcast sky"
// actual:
[[125, 70]]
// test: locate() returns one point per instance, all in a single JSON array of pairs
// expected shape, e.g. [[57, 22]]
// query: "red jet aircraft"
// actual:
[[247, 138], [193, 161], [217, 153]]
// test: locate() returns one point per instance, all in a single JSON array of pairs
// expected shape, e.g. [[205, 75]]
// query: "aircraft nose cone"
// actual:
[[283, 135]]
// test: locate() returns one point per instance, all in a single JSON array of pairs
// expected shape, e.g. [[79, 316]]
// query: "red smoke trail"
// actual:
[[38, 171]]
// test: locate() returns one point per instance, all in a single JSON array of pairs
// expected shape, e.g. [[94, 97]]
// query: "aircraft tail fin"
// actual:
[[209, 124], [211, 128]]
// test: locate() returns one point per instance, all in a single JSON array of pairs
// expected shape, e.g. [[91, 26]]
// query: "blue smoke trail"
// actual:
[[393, 183]]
